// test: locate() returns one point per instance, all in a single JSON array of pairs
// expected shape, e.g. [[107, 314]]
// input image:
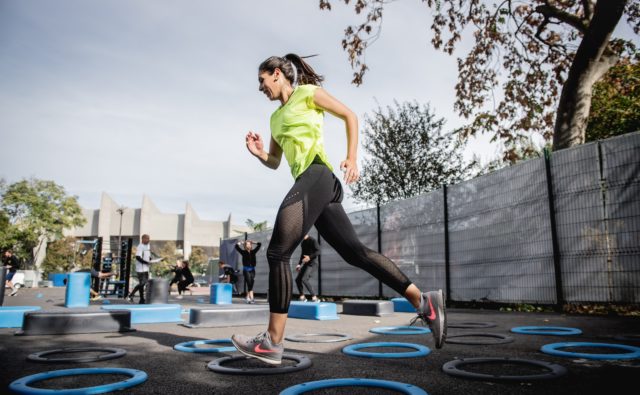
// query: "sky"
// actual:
[[133, 97]]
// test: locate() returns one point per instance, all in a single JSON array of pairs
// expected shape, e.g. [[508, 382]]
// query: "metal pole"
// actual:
[[379, 244], [554, 233], [447, 262]]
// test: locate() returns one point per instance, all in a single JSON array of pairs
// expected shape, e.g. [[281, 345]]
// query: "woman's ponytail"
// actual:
[[294, 68]]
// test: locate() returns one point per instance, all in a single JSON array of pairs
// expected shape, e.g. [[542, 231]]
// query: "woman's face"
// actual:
[[269, 84]]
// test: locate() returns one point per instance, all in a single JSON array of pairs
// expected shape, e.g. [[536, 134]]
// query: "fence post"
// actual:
[[379, 244], [554, 233], [447, 268]]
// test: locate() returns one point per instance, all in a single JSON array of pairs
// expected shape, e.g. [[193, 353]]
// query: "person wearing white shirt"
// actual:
[[143, 259]]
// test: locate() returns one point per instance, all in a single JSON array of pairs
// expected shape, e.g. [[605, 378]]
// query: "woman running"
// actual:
[[315, 199]]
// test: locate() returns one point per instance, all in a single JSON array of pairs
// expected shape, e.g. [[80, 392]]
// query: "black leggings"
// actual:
[[315, 199], [143, 277], [182, 285], [305, 273], [249, 278]]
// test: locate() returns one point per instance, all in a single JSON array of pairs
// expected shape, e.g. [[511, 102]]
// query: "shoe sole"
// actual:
[[441, 313], [256, 356]]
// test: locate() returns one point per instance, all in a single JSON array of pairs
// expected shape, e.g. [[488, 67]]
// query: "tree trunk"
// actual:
[[591, 61]]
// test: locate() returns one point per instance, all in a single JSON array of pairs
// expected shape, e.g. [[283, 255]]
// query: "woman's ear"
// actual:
[[276, 74]]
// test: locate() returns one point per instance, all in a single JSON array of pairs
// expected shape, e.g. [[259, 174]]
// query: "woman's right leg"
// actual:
[[336, 228]]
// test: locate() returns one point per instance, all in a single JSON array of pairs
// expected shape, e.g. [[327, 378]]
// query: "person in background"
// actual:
[[228, 274], [177, 270], [186, 278], [95, 274], [143, 260], [13, 264], [248, 265], [306, 266]]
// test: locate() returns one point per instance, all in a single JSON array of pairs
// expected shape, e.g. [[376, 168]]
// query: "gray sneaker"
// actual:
[[259, 347], [432, 311]]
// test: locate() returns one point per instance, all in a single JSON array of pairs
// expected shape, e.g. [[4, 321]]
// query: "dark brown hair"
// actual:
[[303, 73]]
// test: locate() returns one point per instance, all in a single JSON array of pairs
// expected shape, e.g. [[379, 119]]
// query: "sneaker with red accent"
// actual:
[[432, 311], [260, 347]]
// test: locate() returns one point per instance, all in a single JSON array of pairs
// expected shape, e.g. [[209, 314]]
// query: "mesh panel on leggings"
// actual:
[[579, 223], [621, 168], [413, 237], [500, 246], [289, 228], [340, 278]]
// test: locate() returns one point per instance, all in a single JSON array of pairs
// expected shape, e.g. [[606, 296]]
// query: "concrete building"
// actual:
[[186, 230]]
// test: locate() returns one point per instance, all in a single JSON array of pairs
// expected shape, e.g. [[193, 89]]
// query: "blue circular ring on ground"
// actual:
[[552, 349], [420, 351], [332, 383], [546, 330], [21, 386], [400, 330], [190, 346]]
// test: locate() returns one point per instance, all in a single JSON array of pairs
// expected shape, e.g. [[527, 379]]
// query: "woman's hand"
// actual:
[[255, 145], [350, 170]]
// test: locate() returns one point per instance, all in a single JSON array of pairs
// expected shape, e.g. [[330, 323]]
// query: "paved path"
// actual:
[[150, 349]]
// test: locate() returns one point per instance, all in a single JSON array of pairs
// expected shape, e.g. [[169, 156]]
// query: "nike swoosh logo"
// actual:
[[432, 315], [260, 350]]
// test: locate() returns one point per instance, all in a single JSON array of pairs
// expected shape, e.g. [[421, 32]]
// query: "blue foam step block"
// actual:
[[313, 311], [150, 313], [12, 316], [402, 305], [220, 293]]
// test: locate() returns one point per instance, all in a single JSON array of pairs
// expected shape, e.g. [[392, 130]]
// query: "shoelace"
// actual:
[[260, 337], [420, 317]]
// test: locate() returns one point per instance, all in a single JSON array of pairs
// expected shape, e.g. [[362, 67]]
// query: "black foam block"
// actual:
[[222, 315], [367, 307], [63, 322]]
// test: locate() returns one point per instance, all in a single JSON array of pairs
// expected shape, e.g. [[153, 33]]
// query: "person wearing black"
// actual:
[[306, 266], [248, 265], [185, 279], [228, 275], [177, 270], [13, 263]]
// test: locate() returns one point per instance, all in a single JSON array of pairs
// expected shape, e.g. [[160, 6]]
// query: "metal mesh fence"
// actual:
[[413, 237], [500, 247], [579, 223], [500, 236], [621, 170], [340, 278]]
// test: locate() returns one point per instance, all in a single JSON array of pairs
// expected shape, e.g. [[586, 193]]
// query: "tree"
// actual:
[[409, 154], [615, 107], [60, 256], [167, 251], [545, 55], [257, 226], [33, 212], [198, 260]]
